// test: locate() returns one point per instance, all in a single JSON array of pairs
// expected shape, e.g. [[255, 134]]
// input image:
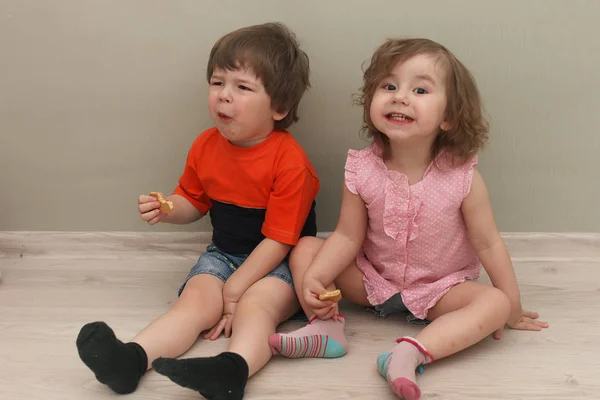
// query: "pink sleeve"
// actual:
[[468, 169], [351, 169]]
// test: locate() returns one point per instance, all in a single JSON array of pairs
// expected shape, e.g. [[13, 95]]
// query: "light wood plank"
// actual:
[[66, 280]]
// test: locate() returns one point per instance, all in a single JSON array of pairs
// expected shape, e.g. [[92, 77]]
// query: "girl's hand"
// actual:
[[148, 207], [523, 320], [322, 309]]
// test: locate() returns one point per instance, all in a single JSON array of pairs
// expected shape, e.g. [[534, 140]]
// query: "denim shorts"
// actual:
[[222, 265], [395, 305]]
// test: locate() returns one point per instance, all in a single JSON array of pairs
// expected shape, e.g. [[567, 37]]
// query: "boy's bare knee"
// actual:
[[274, 302], [202, 296], [254, 304]]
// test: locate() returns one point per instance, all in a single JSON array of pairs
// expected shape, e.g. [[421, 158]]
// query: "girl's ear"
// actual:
[[446, 126]]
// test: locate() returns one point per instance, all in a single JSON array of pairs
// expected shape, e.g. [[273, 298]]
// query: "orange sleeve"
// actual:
[[190, 186], [289, 204]]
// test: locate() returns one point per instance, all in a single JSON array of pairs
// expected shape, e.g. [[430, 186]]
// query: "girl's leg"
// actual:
[[121, 365], [261, 309], [320, 338], [468, 313]]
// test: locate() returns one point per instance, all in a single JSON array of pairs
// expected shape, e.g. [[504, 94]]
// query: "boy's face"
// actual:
[[240, 107]]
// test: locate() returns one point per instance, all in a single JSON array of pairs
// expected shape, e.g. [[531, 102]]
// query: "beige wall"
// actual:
[[99, 100]]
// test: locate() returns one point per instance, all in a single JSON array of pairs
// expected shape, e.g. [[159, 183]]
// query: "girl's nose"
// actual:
[[401, 97]]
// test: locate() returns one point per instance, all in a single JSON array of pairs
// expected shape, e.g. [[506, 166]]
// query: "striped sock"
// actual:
[[318, 339]]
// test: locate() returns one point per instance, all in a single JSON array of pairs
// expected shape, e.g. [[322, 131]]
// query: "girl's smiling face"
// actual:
[[410, 103]]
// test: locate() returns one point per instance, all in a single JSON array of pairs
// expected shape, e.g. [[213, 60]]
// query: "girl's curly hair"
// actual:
[[469, 129]]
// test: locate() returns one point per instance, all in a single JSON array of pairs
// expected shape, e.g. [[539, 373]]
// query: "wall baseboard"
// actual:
[[532, 246]]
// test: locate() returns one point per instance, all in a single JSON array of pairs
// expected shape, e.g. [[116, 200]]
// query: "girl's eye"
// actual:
[[420, 91], [389, 86]]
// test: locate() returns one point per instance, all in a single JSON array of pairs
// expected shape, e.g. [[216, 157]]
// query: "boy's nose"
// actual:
[[225, 95]]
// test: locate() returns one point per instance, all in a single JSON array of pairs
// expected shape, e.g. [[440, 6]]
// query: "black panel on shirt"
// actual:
[[237, 230]]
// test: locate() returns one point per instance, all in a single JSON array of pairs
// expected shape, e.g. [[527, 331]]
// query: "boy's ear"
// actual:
[[278, 116]]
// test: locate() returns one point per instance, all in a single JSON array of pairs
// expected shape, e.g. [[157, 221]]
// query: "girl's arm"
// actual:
[[492, 252], [341, 248], [479, 218]]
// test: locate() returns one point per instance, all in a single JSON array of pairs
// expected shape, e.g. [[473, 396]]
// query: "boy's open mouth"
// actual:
[[223, 116]]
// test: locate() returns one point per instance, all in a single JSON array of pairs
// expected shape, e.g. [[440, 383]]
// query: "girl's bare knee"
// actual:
[[351, 283], [306, 249], [500, 301]]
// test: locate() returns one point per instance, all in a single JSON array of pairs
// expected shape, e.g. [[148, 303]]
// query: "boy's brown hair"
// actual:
[[271, 51], [469, 129]]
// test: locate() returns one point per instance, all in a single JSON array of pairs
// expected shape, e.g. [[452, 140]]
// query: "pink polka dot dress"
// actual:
[[416, 242]]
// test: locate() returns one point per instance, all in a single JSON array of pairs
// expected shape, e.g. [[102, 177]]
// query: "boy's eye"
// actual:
[[244, 87], [216, 83], [420, 91]]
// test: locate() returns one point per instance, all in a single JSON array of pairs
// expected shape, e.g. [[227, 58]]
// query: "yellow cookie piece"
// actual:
[[165, 205], [335, 295]]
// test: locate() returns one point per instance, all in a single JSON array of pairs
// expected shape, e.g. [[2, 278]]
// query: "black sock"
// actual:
[[116, 364], [222, 377]]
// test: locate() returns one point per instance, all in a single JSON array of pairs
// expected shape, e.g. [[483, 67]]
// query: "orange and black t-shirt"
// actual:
[[267, 190]]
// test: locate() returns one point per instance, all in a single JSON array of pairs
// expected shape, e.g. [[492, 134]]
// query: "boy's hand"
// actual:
[[224, 324], [148, 207], [322, 309], [522, 320]]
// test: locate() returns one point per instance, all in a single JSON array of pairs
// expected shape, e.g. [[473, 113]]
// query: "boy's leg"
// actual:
[[320, 338], [468, 313], [261, 309], [121, 365], [198, 308]]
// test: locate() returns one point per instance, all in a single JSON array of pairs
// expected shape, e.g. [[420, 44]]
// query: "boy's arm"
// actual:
[[492, 252], [263, 259], [289, 205], [287, 209], [190, 200], [183, 211]]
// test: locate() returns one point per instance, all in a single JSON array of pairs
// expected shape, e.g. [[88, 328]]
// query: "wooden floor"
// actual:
[[53, 283]]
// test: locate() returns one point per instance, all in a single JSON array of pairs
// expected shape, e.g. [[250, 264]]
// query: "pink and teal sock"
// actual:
[[318, 339], [399, 365]]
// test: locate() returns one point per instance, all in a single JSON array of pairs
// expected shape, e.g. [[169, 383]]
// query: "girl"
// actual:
[[416, 223]]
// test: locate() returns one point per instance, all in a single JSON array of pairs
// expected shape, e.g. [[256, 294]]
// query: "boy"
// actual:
[[260, 189]]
